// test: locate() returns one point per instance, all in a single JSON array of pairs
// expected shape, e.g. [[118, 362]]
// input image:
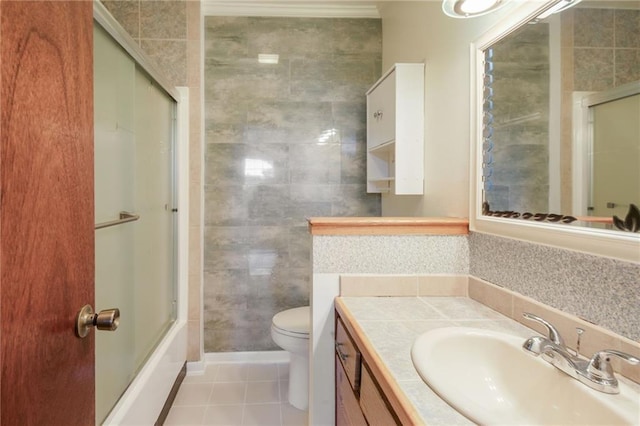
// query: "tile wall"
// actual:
[[520, 180], [606, 48], [169, 33], [284, 142], [600, 51]]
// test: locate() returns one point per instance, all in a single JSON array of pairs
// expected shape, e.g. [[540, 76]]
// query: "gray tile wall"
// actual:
[[598, 289], [606, 48], [521, 95], [283, 142]]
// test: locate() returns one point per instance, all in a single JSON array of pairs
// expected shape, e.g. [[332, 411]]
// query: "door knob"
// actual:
[[108, 319]]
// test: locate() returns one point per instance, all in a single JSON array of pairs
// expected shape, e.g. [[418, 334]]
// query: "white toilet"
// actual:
[[290, 331]]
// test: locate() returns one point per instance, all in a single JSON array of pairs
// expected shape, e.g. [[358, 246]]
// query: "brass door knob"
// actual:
[[107, 319]]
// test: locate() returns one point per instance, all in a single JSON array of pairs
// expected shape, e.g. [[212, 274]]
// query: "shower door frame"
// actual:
[[143, 400], [582, 141]]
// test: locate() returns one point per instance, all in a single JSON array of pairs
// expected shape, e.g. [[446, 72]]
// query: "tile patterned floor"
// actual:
[[236, 394]]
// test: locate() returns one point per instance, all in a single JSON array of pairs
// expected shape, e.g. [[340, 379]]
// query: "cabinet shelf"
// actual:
[[383, 179], [380, 185], [395, 131], [383, 149]]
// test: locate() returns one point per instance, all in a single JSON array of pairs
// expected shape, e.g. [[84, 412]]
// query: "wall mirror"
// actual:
[[558, 119]]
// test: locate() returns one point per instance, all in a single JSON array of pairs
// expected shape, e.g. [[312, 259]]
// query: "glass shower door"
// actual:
[[135, 261]]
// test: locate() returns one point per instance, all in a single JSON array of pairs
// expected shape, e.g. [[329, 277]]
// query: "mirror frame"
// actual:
[[608, 243]]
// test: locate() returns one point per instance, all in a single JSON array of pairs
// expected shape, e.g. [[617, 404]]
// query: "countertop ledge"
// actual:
[[388, 226]]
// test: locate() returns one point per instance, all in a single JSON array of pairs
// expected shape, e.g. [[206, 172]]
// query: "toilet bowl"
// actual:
[[290, 331]]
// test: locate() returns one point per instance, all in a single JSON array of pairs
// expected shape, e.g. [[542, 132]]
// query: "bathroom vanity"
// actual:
[[376, 382], [376, 389], [401, 268]]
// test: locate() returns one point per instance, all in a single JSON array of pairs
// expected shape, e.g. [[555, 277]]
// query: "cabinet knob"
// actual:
[[377, 115], [343, 356]]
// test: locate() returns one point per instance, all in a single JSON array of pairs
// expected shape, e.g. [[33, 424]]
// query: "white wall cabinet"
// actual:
[[395, 131]]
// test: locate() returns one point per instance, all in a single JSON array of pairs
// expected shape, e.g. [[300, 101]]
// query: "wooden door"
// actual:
[[46, 212]]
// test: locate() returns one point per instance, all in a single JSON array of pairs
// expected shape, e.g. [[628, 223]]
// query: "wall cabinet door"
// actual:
[[395, 131], [381, 112]]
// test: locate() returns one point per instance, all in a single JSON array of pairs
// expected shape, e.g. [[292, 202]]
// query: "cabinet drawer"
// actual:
[[373, 404], [347, 408], [348, 355]]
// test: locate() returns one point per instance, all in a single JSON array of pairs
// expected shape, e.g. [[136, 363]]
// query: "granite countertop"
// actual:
[[391, 324]]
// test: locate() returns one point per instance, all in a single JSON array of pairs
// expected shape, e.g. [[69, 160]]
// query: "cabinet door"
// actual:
[[373, 404], [347, 408], [349, 354], [381, 112]]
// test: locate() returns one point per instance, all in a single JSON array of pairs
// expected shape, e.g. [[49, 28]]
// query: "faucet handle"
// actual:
[[600, 364], [554, 334]]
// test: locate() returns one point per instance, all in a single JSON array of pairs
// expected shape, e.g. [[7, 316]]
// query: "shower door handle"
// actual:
[[108, 319]]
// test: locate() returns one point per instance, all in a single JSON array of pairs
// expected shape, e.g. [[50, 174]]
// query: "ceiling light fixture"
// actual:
[[470, 8]]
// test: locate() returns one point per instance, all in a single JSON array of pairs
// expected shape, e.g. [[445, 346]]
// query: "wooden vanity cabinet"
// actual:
[[373, 403], [359, 400], [347, 407]]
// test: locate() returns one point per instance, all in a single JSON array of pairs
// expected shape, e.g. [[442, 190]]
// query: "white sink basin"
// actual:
[[490, 379]]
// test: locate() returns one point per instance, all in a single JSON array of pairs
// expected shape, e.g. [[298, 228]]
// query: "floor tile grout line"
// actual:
[[203, 415], [211, 392], [246, 390], [280, 396]]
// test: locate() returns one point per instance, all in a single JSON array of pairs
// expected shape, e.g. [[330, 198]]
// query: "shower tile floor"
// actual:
[[236, 394]]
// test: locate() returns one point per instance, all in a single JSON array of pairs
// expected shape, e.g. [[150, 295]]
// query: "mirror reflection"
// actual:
[[561, 131]]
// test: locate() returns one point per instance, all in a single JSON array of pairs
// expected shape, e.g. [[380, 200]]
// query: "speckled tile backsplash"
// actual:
[[598, 289], [391, 254]]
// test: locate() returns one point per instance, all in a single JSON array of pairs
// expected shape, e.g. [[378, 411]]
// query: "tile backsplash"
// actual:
[[594, 338], [600, 290]]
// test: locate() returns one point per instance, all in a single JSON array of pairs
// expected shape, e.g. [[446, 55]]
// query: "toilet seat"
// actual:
[[294, 322]]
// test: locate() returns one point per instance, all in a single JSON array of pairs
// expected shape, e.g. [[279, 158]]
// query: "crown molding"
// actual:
[[309, 9]]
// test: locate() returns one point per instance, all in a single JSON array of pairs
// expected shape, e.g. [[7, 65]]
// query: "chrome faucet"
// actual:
[[596, 373]]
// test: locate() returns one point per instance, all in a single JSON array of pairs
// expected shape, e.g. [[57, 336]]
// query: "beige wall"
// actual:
[[169, 33], [420, 32]]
